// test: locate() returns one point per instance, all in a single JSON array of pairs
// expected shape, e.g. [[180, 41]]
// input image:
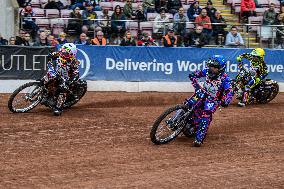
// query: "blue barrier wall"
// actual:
[[115, 63]]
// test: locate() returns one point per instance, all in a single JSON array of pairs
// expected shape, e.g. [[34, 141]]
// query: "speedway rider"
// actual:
[[64, 67], [258, 71], [217, 84]]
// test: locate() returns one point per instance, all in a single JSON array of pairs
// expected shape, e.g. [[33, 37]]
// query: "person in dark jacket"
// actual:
[[210, 10], [219, 28], [3, 41], [173, 6], [128, 40], [193, 11], [196, 38]]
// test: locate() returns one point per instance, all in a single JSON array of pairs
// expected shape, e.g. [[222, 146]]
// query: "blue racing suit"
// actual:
[[221, 93]]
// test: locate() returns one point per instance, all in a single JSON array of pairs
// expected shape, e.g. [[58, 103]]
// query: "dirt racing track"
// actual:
[[103, 142]]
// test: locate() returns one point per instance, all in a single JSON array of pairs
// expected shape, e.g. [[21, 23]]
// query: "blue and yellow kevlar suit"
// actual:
[[258, 70]]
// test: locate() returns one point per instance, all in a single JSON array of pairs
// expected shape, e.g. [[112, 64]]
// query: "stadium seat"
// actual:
[[106, 5], [263, 3], [185, 7], [39, 12], [65, 13], [65, 2], [147, 27], [260, 11], [57, 25], [131, 25], [36, 3], [115, 3], [189, 27], [42, 23], [255, 20], [236, 6], [52, 13], [151, 16]]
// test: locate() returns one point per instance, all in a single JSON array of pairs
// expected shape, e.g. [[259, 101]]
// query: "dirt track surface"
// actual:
[[103, 142]]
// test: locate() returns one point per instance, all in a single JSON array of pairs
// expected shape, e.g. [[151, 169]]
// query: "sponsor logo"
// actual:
[[85, 63]]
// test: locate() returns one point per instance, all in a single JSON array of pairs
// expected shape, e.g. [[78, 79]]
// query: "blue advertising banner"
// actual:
[[115, 63]]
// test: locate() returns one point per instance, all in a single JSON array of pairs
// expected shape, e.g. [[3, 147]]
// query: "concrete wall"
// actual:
[[8, 86], [8, 20]]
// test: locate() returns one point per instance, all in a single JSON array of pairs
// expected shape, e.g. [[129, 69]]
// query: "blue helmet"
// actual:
[[217, 61]]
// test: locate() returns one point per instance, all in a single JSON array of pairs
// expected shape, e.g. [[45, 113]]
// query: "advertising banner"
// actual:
[[19, 62]]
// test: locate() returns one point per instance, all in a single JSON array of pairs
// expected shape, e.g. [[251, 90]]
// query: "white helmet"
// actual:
[[68, 51]]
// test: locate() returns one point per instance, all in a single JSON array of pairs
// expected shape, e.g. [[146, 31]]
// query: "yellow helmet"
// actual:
[[258, 52]]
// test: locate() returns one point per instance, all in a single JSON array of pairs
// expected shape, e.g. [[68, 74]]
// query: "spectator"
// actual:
[[173, 6], [170, 40], [247, 9], [99, 39], [148, 6], [20, 39], [128, 10], [52, 41], [29, 22], [3, 41], [204, 21], [27, 40], [128, 40], [160, 4], [52, 4], [256, 4], [146, 40], [269, 16], [82, 40], [210, 10], [75, 22], [180, 20], [85, 30], [105, 22], [12, 41], [193, 11], [78, 3], [62, 38], [196, 38], [88, 15], [140, 14], [42, 40], [96, 4], [234, 38], [219, 28], [280, 31], [117, 25], [23, 3], [162, 23]]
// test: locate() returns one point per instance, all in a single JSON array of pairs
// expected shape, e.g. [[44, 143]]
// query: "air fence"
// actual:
[[131, 69]]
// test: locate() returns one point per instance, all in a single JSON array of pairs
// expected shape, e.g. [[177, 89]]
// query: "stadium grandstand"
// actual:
[[58, 18]]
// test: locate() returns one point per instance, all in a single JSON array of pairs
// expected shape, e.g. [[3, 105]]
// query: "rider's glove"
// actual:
[[239, 58], [191, 76], [63, 87]]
